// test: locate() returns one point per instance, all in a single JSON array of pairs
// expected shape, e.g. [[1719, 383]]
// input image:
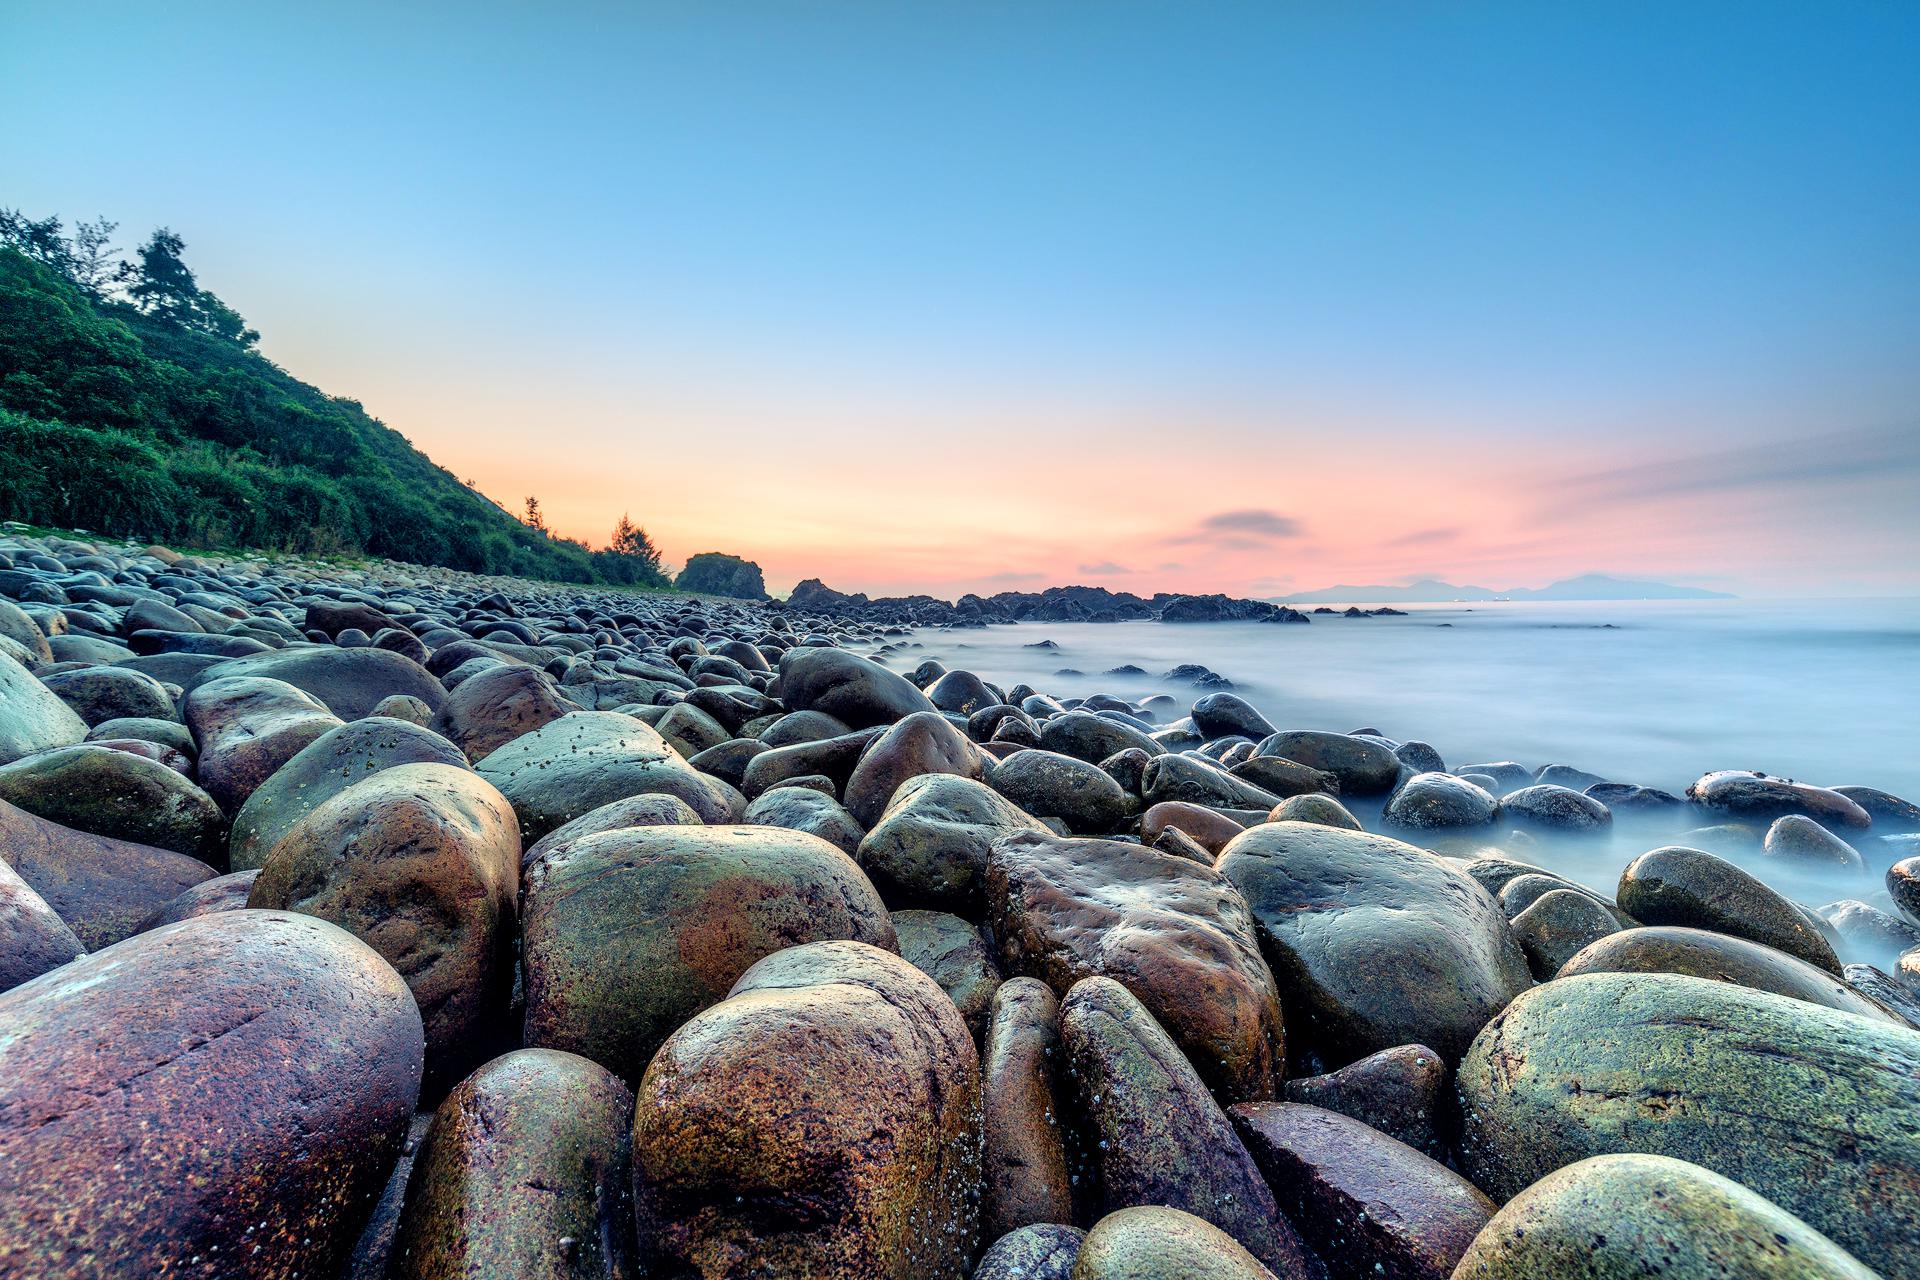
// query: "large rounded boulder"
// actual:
[[223, 1096], [119, 795], [525, 1171], [930, 846], [33, 938], [1172, 931], [629, 933], [351, 682], [323, 769], [105, 890], [851, 689], [32, 716], [1155, 1135], [245, 727], [422, 863], [573, 765], [1365, 766], [1157, 1242], [1374, 943], [822, 1120], [1721, 957], [1625, 1217], [1812, 1108], [922, 743], [493, 707], [1694, 889]]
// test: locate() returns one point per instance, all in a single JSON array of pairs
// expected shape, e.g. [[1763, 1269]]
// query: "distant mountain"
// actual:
[[1588, 586]]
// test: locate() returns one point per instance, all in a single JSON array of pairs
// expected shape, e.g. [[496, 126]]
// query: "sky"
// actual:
[[1247, 297]]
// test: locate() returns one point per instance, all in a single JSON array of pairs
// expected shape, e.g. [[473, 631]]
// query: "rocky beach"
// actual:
[[380, 921]]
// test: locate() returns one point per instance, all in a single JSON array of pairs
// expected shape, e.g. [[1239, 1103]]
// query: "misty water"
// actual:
[[1649, 692]]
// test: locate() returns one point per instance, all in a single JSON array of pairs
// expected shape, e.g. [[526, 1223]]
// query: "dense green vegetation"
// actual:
[[718, 574], [133, 403]]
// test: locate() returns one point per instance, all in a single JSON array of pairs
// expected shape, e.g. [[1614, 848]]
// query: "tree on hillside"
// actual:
[[716, 573], [631, 558], [533, 519], [161, 284]]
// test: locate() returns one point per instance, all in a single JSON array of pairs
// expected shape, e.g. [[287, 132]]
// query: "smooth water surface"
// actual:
[[1653, 692]]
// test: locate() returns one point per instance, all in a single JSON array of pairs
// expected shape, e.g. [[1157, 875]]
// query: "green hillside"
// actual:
[[133, 403]]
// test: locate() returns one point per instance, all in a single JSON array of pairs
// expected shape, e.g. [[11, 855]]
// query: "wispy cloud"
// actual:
[[1876, 456], [1102, 569], [1247, 530], [1423, 537]]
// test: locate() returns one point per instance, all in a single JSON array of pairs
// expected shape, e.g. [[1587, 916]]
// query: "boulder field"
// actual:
[[387, 923]]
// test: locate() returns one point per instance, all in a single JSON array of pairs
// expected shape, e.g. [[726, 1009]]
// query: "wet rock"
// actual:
[[823, 1120], [629, 933], [954, 954], [104, 889], [337, 759], [1174, 932], [404, 706], [1420, 757], [921, 743], [801, 809], [1157, 1135], [1557, 926], [1092, 738], [1758, 795], [1026, 1179], [1888, 811], [1696, 890], [1049, 785], [526, 1171], [1321, 810], [1374, 943], [831, 758], [1437, 800], [1903, 886], [1153, 1242], [1864, 927], [1721, 957], [247, 727], [1285, 778], [803, 726], [1800, 839], [1622, 1217], [1546, 807], [351, 682], [32, 717], [1506, 774], [209, 897], [1208, 828], [490, 709], [1888, 992], [618, 815], [334, 616], [1625, 797], [33, 937], [1404, 1092], [165, 733], [99, 694], [852, 690], [221, 1096], [689, 730], [118, 795], [1220, 715], [962, 692], [1807, 1106], [1367, 1204], [1042, 1251], [1364, 766], [422, 863], [1195, 781], [573, 765], [930, 846], [17, 625]]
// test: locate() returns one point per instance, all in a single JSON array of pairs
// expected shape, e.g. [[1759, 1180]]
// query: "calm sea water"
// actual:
[[1653, 692]]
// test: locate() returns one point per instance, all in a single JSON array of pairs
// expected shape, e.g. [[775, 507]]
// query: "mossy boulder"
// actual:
[[525, 1171], [629, 933], [823, 1120], [1810, 1107], [1625, 1217]]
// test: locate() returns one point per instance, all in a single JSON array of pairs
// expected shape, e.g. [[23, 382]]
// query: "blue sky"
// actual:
[[949, 295]]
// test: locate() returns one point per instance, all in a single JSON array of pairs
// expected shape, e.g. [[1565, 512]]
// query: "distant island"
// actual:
[[1588, 586]]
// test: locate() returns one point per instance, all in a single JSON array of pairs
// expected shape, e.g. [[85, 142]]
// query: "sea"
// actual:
[[1649, 692]]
